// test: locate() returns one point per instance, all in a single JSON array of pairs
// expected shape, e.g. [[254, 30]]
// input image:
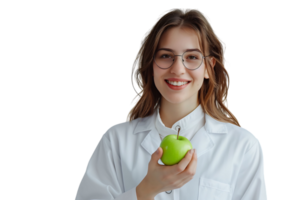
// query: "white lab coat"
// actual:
[[229, 166]]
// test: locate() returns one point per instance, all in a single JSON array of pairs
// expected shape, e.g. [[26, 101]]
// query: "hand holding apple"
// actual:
[[174, 148]]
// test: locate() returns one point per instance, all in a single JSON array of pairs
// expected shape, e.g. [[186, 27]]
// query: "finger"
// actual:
[[186, 180], [180, 167], [192, 166]]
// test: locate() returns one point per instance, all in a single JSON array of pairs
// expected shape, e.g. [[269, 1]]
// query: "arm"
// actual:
[[103, 179], [250, 182], [141, 191]]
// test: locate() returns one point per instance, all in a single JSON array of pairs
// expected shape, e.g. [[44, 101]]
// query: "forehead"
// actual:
[[179, 39]]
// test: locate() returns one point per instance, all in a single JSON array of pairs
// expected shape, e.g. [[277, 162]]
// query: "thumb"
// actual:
[[157, 155]]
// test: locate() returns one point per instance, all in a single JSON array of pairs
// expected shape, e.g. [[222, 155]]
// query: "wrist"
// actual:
[[143, 192]]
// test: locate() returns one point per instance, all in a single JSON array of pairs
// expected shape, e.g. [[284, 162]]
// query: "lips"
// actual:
[[178, 79], [174, 87]]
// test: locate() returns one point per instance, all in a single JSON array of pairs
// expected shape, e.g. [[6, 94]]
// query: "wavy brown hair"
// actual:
[[213, 92]]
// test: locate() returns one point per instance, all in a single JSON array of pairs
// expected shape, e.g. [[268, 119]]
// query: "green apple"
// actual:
[[174, 149]]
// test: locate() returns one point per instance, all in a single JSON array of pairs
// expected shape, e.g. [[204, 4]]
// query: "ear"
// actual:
[[212, 61]]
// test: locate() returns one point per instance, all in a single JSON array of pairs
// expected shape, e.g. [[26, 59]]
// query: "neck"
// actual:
[[171, 113]]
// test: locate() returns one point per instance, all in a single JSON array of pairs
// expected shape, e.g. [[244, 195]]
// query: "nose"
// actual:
[[177, 66]]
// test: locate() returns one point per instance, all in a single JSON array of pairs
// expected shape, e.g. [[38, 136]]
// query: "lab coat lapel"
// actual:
[[152, 142], [202, 140]]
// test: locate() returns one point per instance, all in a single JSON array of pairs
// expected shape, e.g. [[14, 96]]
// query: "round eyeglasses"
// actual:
[[192, 60]]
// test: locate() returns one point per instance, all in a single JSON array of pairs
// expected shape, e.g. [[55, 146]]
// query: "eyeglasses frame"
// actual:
[[203, 57]]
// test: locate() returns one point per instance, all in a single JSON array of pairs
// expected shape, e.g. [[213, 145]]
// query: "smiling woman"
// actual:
[[184, 85], [212, 94]]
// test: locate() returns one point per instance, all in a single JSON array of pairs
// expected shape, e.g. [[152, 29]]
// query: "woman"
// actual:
[[228, 160]]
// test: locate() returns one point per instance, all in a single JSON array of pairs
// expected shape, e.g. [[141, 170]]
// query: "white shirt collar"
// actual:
[[193, 121]]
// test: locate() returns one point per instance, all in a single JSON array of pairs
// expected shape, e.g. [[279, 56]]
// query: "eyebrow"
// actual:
[[167, 49]]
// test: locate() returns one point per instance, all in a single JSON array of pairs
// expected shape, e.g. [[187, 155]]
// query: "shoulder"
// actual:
[[121, 128], [239, 132], [241, 136]]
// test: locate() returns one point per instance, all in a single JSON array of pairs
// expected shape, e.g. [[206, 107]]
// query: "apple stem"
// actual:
[[178, 133]]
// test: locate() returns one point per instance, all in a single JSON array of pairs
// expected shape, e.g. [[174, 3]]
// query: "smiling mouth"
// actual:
[[177, 85]]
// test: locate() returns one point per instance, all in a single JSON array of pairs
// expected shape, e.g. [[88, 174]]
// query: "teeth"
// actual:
[[177, 83]]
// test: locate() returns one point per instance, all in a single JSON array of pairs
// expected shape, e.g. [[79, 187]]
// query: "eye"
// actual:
[[193, 57], [162, 56]]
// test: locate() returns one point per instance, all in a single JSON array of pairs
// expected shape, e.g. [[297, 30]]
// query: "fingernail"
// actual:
[[191, 151], [157, 151]]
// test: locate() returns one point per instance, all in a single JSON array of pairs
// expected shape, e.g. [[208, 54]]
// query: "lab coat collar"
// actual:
[[202, 141]]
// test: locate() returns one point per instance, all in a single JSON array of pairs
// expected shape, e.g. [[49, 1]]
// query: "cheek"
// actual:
[[157, 72], [198, 76], [198, 79]]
